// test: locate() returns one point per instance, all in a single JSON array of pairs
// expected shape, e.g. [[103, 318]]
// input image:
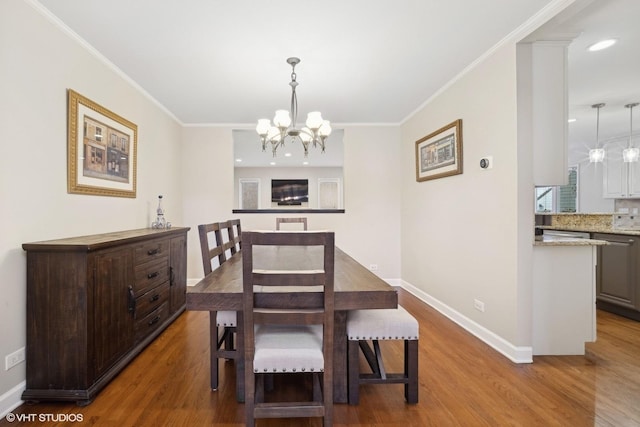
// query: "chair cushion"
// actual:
[[226, 318], [296, 348], [381, 324]]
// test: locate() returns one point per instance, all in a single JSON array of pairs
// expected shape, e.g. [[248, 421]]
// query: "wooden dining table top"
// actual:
[[355, 286]]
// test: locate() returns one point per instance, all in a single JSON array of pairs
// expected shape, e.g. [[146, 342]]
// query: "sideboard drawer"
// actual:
[[151, 250], [151, 300], [151, 321], [150, 275]]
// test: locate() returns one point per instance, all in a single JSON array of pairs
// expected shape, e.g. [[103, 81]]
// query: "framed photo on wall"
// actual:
[[101, 150], [439, 154]]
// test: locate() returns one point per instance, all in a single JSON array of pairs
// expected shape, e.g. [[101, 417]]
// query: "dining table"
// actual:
[[355, 288]]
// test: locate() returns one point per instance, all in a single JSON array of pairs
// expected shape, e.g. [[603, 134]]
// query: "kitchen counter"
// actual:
[[591, 229], [566, 241], [564, 295]]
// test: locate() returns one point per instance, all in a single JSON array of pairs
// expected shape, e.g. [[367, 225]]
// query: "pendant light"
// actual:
[[631, 154], [596, 155]]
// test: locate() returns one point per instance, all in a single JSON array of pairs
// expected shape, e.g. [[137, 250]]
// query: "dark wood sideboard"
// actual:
[[94, 302]]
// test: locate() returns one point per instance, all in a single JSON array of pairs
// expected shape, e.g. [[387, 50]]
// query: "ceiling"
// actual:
[[363, 61]]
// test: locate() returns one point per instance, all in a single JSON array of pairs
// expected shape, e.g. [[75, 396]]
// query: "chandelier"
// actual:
[[315, 132]]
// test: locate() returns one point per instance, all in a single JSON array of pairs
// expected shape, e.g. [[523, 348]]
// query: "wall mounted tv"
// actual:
[[289, 192]]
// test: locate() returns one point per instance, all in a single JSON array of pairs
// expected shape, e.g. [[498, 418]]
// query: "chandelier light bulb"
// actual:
[[314, 120], [263, 127], [306, 135], [282, 119], [325, 128]]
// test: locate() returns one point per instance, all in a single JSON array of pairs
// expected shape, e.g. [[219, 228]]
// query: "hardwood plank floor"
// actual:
[[463, 382]]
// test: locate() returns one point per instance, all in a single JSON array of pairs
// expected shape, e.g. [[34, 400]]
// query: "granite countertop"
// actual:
[[591, 229], [567, 241]]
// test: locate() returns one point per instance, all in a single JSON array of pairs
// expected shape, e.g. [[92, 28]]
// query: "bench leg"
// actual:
[[411, 370]]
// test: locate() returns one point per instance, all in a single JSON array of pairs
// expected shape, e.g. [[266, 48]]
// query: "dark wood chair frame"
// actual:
[[222, 343], [282, 313], [302, 220]]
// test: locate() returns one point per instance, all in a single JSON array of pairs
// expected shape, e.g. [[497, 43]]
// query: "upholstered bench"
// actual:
[[376, 325]]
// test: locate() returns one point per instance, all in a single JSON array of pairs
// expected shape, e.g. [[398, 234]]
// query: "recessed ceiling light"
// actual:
[[571, 120], [602, 45], [272, 163], [287, 154], [238, 160], [305, 163]]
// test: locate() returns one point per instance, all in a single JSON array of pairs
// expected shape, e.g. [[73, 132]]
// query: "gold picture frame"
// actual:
[[439, 154], [102, 150]]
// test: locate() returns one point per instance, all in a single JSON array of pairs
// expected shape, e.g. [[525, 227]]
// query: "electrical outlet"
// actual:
[[13, 359], [373, 267], [479, 305]]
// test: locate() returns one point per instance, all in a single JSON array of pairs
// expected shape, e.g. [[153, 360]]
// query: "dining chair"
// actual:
[[222, 341], [375, 325], [295, 335], [302, 220]]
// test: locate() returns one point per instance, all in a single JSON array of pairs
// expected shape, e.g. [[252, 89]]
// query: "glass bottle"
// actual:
[[160, 221]]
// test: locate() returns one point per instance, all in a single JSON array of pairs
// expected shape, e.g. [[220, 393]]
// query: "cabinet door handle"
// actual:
[[154, 320], [156, 297], [172, 276], [153, 251], [152, 275], [132, 301]]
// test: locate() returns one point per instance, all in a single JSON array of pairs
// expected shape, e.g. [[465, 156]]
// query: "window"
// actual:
[[561, 198]]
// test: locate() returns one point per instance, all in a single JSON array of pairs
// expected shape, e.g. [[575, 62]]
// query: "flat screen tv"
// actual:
[[289, 192]]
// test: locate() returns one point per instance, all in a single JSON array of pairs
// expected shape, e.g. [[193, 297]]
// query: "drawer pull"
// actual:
[[156, 297], [152, 275], [132, 301], [153, 251], [154, 320]]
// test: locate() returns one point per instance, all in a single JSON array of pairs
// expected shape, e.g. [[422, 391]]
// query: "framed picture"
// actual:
[[101, 150], [439, 154]]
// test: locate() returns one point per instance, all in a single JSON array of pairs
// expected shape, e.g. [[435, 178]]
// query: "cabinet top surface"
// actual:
[[98, 241]]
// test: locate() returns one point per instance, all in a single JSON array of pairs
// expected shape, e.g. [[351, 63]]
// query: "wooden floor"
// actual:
[[463, 382]]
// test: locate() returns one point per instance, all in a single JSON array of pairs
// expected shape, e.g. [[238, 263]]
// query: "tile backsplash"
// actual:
[[630, 206]]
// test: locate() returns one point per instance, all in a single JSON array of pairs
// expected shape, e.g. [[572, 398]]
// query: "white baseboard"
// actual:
[[11, 399], [516, 354]]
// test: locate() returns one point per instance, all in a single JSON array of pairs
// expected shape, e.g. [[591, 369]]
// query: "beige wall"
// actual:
[[39, 62], [459, 233], [369, 228]]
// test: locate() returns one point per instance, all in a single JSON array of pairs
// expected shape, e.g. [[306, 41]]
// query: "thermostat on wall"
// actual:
[[486, 162]]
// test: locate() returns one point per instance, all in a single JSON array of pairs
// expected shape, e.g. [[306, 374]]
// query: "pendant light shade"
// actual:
[[631, 154], [596, 155]]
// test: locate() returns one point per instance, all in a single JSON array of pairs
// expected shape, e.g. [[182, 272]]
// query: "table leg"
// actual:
[[213, 344], [240, 359], [340, 357]]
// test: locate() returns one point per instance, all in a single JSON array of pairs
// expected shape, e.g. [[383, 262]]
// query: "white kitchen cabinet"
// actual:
[[620, 180]]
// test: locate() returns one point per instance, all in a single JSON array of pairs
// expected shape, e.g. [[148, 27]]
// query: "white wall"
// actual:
[[39, 62], [369, 228]]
